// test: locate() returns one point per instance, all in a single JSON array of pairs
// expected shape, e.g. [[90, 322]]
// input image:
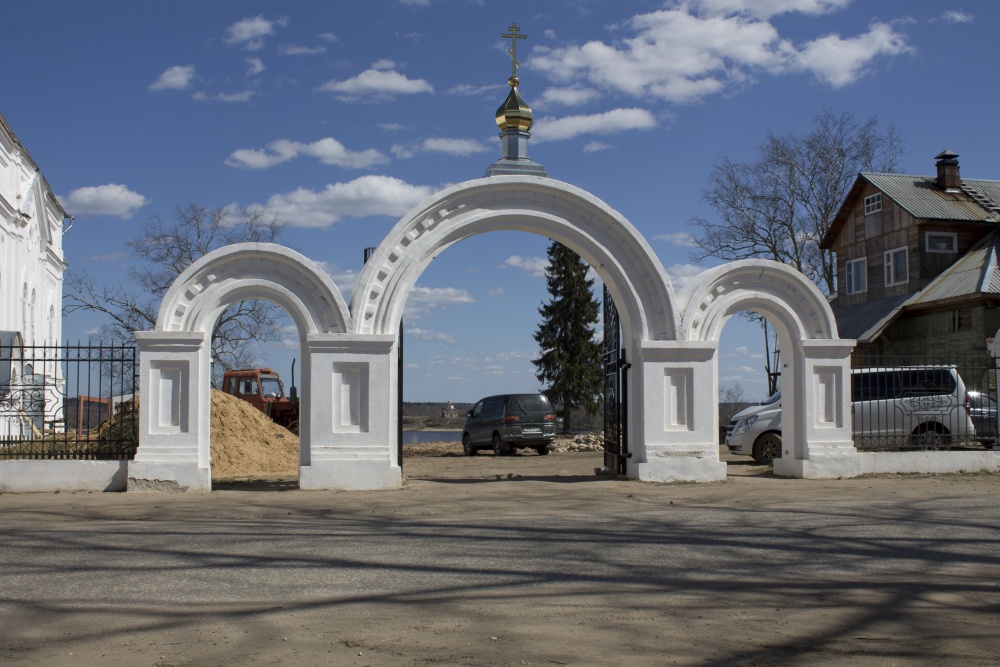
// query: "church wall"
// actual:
[[31, 255]]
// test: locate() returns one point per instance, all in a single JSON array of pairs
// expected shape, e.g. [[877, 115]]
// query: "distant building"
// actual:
[[917, 262], [449, 411]]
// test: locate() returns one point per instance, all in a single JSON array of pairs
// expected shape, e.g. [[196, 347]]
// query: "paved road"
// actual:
[[529, 560]]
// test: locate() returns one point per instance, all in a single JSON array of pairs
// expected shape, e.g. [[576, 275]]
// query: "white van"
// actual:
[[918, 407]]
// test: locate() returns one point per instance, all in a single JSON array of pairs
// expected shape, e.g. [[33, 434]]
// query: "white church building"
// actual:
[[31, 268]]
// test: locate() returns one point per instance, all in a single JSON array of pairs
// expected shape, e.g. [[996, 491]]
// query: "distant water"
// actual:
[[410, 437]]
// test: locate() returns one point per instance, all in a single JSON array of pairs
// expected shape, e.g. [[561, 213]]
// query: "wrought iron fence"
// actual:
[[919, 403], [68, 402]]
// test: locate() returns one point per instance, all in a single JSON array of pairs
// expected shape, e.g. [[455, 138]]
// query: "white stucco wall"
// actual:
[[47, 476], [31, 255], [929, 462]]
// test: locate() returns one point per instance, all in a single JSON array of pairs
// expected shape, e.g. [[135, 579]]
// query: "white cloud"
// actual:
[[379, 82], [767, 8], [683, 239], [839, 62], [456, 147], [293, 50], [536, 266], [609, 122], [111, 199], [256, 66], [469, 89], [329, 37], [696, 49], [496, 292], [681, 273], [422, 301], [242, 96], [957, 16], [177, 77], [425, 334], [572, 96], [595, 146], [741, 350], [248, 32], [109, 257], [392, 127], [327, 150], [362, 197]]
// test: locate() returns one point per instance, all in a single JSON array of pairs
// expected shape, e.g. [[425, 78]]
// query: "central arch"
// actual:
[[599, 234]]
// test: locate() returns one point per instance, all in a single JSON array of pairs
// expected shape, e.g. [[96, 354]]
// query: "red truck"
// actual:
[[262, 388]]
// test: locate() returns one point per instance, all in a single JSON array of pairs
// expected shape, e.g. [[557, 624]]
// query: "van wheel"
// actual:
[[931, 435], [766, 448], [543, 450], [498, 448], [467, 447]]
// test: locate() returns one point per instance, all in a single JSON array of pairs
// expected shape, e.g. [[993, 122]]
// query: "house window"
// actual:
[[857, 276], [941, 241], [895, 267], [873, 203]]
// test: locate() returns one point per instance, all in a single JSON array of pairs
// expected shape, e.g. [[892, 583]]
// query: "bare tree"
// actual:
[[780, 205], [163, 250]]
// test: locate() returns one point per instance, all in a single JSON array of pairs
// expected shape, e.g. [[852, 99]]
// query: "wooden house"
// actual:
[[917, 262]]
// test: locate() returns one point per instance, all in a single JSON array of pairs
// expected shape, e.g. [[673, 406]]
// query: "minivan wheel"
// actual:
[[931, 435], [543, 450], [498, 449], [767, 448], [467, 445]]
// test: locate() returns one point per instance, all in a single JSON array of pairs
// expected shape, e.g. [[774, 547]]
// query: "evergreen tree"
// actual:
[[571, 363]]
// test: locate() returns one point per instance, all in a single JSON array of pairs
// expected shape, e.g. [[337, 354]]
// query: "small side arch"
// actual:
[[768, 287], [254, 271]]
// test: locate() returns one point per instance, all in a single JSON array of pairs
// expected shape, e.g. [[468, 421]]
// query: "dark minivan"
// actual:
[[507, 422]]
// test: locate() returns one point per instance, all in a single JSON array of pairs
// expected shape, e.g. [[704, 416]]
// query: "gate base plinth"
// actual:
[[680, 469], [350, 475], [168, 477], [817, 466]]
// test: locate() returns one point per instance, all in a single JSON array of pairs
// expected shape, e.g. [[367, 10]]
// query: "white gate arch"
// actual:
[[349, 370], [174, 373], [562, 212], [816, 370]]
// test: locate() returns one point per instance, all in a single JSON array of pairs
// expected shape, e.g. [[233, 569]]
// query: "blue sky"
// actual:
[[340, 116]]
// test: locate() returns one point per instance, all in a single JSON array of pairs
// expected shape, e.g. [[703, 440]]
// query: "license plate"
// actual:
[[532, 430]]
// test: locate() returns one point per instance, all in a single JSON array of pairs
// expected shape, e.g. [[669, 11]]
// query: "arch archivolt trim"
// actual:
[[251, 271], [770, 287], [538, 205]]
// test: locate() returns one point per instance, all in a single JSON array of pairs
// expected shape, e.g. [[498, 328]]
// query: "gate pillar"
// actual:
[[676, 381], [174, 426], [818, 442], [351, 425]]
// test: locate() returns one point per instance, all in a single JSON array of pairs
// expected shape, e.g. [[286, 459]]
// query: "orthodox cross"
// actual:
[[512, 51]]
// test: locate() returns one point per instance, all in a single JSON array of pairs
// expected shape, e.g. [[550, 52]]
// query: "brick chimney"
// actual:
[[947, 171]]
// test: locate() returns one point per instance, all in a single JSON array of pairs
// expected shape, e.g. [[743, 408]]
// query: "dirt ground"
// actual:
[[523, 560]]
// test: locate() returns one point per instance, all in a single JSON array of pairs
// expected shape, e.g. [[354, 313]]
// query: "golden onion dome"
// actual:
[[514, 113]]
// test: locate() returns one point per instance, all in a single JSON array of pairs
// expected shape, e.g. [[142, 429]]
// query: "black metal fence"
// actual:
[[918, 403], [68, 402]]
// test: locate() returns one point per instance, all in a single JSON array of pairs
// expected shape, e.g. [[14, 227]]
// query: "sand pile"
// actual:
[[246, 444]]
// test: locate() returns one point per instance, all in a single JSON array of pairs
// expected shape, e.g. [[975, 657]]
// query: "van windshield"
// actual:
[[772, 399]]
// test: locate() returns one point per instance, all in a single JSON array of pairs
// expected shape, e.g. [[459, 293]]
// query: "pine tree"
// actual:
[[570, 366]]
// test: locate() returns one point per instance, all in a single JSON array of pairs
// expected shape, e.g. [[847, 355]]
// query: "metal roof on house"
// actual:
[[923, 198], [976, 272], [978, 201]]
